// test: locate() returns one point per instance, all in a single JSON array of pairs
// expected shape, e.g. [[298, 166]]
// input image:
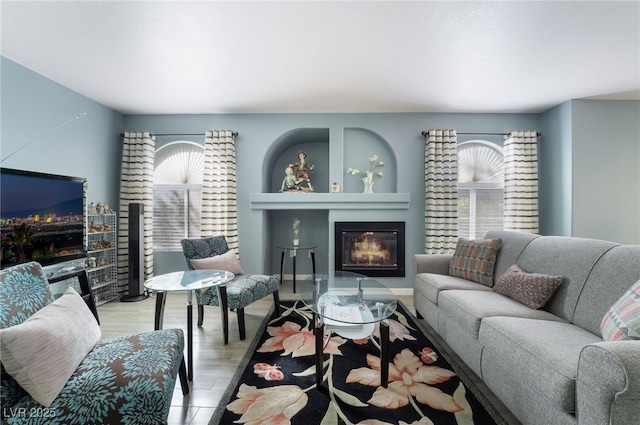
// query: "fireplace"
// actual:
[[371, 248]]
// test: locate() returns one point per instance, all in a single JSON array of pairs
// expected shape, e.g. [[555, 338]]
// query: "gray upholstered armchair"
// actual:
[[243, 290], [56, 370]]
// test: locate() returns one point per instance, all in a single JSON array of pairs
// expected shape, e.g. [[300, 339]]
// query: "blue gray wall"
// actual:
[[590, 170], [606, 171], [555, 169], [587, 146], [33, 107]]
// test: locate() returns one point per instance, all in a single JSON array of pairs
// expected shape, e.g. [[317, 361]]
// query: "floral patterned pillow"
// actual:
[[622, 321], [475, 260], [531, 289]]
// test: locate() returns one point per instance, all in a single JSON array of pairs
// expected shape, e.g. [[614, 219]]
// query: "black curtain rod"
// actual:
[[234, 134], [484, 134], [426, 133]]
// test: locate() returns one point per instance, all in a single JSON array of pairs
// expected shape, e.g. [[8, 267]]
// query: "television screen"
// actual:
[[42, 217]]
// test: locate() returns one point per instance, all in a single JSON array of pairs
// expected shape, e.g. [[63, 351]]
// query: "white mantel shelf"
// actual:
[[330, 201]]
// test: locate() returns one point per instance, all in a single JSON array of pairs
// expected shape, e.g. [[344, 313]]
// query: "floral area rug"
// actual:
[[277, 385]]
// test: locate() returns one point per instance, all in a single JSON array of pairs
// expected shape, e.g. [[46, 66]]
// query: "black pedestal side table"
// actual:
[[293, 250]]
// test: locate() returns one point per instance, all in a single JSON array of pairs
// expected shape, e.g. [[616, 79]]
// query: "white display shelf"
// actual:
[[330, 201], [103, 278]]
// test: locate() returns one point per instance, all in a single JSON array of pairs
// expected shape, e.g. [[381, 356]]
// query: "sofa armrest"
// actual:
[[432, 263], [608, 383]]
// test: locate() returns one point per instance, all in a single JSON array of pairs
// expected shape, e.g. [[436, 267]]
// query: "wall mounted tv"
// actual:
[[42, 217]]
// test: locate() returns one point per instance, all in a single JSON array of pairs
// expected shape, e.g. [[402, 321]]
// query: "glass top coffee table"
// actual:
[[189, 281], [350, 305]]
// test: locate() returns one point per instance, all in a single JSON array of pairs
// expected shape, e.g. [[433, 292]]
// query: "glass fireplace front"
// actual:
[[370, 248]]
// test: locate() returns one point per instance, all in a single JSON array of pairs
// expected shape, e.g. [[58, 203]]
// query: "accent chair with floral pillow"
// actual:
[[214, 253]]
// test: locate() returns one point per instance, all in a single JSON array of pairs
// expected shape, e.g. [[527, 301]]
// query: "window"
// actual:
[[480, 188], [177, 194]]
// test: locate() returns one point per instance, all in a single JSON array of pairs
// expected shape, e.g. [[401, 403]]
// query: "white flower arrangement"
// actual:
[[296, 232], [374, 162]]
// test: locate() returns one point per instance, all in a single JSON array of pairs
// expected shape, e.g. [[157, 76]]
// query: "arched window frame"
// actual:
[[484, 191], [177, 194]]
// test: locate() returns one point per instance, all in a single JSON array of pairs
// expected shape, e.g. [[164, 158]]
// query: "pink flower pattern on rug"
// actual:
[[408, 376], [297, 341], [412, 394], [272, 406]]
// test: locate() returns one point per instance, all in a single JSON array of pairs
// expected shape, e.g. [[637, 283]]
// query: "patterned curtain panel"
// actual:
[[441, 192], [521, 181], [219, 208], [136, 185]]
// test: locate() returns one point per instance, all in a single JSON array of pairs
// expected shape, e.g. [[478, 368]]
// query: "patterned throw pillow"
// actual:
[[530, 289], [475, 260], [42, 353], [622, 321]]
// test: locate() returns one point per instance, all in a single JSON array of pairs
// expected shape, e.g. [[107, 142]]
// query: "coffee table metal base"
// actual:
[[384, 352]]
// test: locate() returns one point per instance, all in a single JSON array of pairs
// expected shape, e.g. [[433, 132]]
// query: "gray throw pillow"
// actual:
[[531, 289]]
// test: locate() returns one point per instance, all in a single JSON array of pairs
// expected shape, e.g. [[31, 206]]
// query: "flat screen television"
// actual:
[[42, 217]]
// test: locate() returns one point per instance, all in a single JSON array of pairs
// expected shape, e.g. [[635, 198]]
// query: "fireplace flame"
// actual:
[[366, 249]]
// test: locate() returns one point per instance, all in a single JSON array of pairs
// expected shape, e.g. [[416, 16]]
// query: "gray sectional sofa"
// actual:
[[551, 365]]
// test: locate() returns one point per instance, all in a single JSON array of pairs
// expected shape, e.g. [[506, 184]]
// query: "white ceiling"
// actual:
[[184, 57]]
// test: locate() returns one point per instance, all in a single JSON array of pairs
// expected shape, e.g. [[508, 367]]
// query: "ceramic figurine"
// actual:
[[289, 182], [302, 169]]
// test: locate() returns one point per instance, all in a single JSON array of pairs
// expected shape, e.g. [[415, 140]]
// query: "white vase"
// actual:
[[368, 183]]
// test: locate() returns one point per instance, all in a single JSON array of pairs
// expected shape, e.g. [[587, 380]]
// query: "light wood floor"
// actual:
[[214, 363]]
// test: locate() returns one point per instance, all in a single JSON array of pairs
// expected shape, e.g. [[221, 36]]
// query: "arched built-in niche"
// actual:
[[314, 223], [314, 142], [315, 209], [359, 145]]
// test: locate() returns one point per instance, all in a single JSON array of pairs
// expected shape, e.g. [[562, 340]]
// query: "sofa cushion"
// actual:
[[475, 260], [242, 290], [430, 285], [469, 308], [458, 339], [227, 261], [531, 289], [542, 354], [622, 321], [513, 243], [42, 353], [611, 277], [571, 258]]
